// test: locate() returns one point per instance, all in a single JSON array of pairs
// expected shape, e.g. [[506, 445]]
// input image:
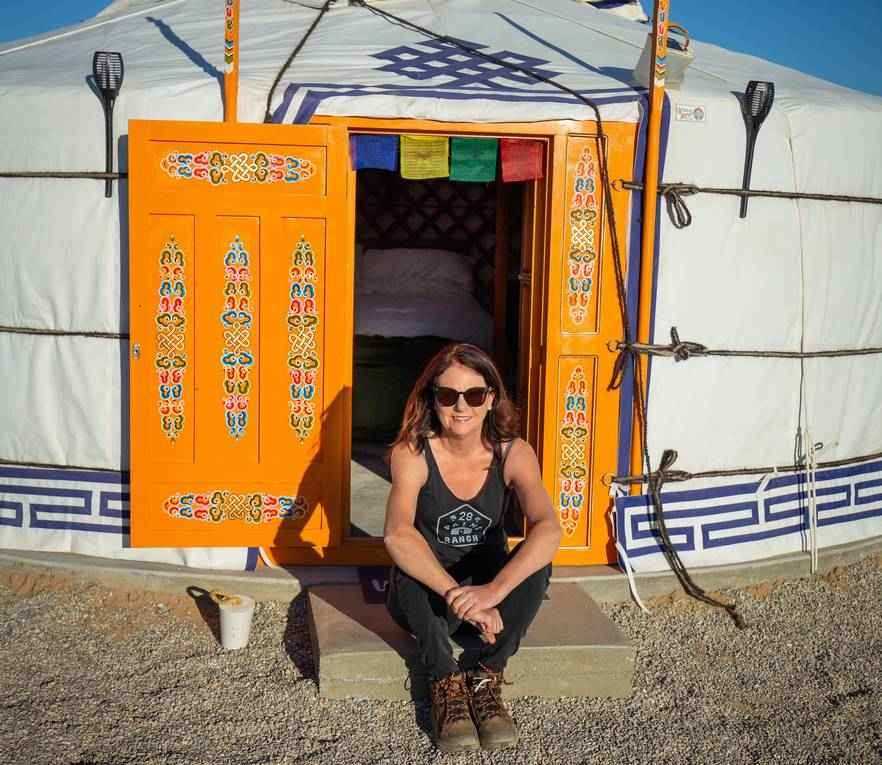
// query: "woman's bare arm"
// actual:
[[543, 527], [539, 547], [406, 546]]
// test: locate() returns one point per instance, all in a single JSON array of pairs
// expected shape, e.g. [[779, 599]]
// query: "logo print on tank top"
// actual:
[[462, 527]]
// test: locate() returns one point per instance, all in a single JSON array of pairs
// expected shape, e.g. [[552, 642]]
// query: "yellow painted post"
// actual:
[[231, 60], [661, 16]]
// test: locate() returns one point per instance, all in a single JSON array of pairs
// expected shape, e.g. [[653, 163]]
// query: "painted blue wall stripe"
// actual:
[[626, 402]]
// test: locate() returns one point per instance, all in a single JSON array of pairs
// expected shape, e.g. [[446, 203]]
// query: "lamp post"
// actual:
[[108, 70]]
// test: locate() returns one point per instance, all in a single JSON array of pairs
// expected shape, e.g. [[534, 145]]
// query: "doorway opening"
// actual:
[[436, 261]]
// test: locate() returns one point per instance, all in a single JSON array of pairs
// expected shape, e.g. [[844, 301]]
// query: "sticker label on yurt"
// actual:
[[690, 113]]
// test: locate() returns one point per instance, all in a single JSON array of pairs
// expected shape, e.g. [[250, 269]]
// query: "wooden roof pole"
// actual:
[[231, 60], [660, 20]]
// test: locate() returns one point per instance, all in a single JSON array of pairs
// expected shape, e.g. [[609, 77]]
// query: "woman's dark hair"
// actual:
[[420, 421]]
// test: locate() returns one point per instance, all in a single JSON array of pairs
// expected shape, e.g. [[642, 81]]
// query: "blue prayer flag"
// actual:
[[379, 152]]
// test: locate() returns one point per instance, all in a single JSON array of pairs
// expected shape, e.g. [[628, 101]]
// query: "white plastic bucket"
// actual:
[[236, 612]]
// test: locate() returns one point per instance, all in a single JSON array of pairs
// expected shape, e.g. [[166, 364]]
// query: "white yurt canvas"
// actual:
[[795, 274]]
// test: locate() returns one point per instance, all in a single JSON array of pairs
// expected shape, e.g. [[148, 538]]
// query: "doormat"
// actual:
[[374, 582]]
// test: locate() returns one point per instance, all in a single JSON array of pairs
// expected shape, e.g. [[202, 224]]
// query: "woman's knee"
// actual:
[[523, 601], [537, 582], [411, 601]]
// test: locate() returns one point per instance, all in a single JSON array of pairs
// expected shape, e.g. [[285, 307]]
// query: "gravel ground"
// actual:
[[91, 675]]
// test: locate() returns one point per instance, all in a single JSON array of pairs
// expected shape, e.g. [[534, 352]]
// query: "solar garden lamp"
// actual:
[[758, 98], [107, 69]]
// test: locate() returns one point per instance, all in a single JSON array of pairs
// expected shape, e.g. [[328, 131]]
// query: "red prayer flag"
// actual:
[[522, 159]]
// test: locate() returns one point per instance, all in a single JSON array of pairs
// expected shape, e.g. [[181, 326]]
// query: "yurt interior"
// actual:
[[437, 261]]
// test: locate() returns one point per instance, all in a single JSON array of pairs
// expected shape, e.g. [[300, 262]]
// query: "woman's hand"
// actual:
[[488, 623], [464, 601]]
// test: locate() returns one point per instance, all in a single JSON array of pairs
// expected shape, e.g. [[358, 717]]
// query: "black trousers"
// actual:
[[426, 616]]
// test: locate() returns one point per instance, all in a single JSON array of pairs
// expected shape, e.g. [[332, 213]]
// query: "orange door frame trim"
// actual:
[[548, 237]]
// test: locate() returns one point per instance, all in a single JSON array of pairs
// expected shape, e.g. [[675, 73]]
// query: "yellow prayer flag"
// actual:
[[424, 156]]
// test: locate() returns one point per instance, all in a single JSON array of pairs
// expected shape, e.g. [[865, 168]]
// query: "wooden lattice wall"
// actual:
[[437, 213]]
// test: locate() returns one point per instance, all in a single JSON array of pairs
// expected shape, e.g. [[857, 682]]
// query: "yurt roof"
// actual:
[[361, 63]]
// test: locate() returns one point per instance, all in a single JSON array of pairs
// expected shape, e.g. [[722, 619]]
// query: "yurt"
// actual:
[[237, 230]]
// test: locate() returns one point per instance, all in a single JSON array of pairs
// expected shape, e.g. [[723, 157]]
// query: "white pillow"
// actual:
[[414, 272]]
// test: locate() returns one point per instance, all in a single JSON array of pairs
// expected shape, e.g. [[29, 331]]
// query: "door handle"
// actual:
[[136, 351]]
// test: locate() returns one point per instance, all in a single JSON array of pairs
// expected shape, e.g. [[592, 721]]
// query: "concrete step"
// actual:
[[571, 649]]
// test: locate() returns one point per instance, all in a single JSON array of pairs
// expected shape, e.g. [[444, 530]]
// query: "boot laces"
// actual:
[[481, 683], [451, 694], [487, 693]]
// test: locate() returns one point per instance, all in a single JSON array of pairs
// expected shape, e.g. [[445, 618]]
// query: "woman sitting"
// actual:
[[455, 457]]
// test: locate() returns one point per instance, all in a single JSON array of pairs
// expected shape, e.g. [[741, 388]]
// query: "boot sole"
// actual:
[[453, 748], [493, 745]]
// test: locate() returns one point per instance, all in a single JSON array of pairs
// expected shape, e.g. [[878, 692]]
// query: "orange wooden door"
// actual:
[[239, 278], [580, 417]]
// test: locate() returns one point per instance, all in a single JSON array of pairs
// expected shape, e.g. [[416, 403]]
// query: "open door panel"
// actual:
[[238, 410]]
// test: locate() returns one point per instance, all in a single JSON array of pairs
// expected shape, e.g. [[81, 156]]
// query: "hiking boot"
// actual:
[[495, 726], [451, 722]]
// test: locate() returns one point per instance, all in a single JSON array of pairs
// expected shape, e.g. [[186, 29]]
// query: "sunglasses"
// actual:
[[449, 396]]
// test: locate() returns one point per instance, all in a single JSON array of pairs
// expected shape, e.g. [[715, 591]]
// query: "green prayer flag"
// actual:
[[473, 159]]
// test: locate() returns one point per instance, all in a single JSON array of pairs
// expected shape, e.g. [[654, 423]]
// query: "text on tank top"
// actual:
[[454, 527]]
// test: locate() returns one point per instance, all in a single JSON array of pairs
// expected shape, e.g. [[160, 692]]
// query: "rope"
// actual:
[[684, 475], [63, 333], [687, 189], [98, 176], [617, 490], [685, 350], [811, 476], [267, 117], [680, 216], [656, 483], [600, 139], [678, 212]]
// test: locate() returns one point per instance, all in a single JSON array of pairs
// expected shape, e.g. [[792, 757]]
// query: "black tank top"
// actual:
[[453, 527]]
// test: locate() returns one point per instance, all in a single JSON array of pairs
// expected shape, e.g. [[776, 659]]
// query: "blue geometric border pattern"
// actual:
[[450, 73], [729, 517], [459, 68], [73, 500]]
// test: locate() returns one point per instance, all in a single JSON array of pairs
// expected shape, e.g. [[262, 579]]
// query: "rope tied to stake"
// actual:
[[656, 482], [681, 217], [683, 350]]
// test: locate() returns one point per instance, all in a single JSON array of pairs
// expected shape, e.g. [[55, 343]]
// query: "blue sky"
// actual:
[[832, 39]]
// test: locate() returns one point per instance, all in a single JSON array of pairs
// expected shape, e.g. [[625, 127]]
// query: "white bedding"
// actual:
[[458, 317]]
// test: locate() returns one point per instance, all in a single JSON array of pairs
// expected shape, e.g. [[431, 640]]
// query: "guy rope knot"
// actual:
[[682, 350], [678, 212]]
